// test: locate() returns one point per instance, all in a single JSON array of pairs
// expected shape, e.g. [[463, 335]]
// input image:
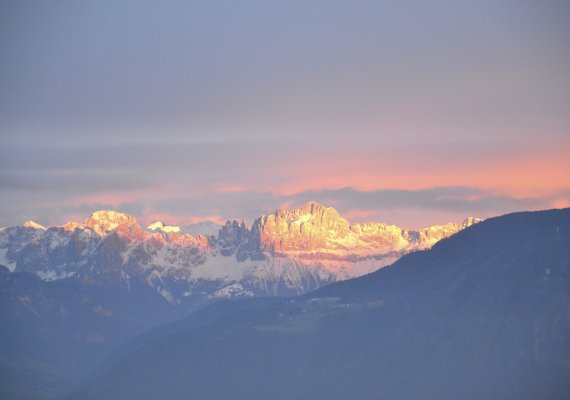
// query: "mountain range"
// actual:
[[287, 253], [484, 314]]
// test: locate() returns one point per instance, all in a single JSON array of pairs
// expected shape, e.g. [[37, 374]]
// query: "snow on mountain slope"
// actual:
[[6, 261], [288, 252], [206, 228]]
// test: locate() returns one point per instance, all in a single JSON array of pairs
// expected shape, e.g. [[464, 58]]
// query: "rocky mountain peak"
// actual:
[[313, 208], [105, 221], [467, 222], [307, 228], [312, 212]]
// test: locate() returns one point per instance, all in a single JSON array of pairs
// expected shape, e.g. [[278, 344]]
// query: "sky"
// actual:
[[407, 112]]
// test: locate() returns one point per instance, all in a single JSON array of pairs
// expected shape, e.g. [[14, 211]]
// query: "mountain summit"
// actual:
[[105, 221], [310, 227]]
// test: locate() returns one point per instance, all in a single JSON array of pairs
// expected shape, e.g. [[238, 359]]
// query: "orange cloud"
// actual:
[[560, 203]]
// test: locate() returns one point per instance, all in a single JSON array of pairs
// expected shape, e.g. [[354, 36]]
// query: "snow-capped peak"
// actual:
[[158, 225], [33, 225], [155, 225], [171, 228]]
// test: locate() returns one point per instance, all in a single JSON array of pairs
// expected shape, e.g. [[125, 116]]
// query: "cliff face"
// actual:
[[314, 228], [311, 227]]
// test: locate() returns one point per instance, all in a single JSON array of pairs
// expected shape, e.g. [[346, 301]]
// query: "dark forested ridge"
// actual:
[[54, 332]]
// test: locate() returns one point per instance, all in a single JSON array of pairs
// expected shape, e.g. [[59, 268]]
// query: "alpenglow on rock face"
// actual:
[[316, 229], [309, 228], [288, 252], [103, 222]]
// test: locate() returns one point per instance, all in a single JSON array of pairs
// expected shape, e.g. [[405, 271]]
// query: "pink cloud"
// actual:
[[231, 188], [103, 199], [540, 173], [355, 215]]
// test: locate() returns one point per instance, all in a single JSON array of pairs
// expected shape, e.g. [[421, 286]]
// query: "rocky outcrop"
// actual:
[[311, 227], [314, 228], [236, 239]]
